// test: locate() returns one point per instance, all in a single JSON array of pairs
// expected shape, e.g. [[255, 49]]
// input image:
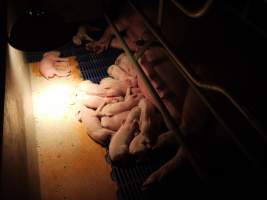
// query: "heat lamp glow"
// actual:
[[53, 102]]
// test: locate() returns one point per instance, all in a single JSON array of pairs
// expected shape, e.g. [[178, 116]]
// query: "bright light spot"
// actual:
[[53, 102]]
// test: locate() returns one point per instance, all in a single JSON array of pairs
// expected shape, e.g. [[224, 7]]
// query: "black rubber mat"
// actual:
[[94, 67]]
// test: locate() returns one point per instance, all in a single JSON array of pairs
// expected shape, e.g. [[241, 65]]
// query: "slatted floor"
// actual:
[[94, 67]]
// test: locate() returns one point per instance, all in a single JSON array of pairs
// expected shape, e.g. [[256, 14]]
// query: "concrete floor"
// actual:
[[71, 165]]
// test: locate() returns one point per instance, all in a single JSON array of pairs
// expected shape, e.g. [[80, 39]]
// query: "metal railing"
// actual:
[[195, 13], [189, 74], [189, 13], [195, 84], [164, 111]]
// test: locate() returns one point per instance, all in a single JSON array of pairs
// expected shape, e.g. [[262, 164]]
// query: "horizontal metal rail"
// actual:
[[196, 13], [197, 86], [171, 124]]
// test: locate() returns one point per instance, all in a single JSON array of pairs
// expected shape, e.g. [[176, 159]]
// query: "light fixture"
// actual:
[[38, 30]]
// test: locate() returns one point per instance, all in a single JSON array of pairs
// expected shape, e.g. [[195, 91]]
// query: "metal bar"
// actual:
[[143, 49], [160, 12], [193, 14], [164, 111], [195, 84]]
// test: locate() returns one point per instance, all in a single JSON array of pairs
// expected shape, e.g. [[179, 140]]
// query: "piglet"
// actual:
[[131, 100], [118, 147], [118, 73], [54, 55], [48, 65], [94, 102], [114, 122], [93, 126], [148, 126], [134, 28], [124, 63], [91, 88], [117, 85]]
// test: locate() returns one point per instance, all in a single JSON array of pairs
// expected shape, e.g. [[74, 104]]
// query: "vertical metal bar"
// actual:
[[194, 84], [160, 12], [164, 111]]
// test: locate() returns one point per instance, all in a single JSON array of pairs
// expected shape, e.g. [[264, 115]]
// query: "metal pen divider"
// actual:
[[197, 86], [164, 111]]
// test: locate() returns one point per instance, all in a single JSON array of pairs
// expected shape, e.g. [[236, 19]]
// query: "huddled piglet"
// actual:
[[118, 73], [50, 63], [118, 85], [119, 144], [124, 62], [114, 122], [91, 88], [149, 127], [136, 33], [94, 101], [130, 101], [93, 126]]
